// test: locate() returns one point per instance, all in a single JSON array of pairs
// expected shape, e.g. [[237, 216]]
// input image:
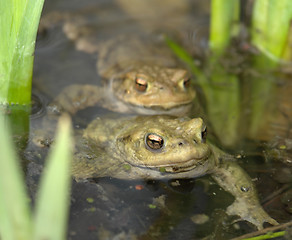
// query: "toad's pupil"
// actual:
[[154, 141], [204, 135], [187, 82], [141, 84]]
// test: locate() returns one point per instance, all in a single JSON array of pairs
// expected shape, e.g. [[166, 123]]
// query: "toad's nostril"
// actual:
[[195, 141]]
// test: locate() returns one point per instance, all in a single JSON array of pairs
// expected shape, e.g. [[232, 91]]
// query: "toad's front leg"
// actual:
[[70, 100], [235, 180]]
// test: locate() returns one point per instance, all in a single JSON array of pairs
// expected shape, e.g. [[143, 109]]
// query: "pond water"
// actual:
[[108, 208]]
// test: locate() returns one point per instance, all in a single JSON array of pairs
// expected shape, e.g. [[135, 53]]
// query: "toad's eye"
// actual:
[[140, 84], [185, 83], [154, 141], [204, 135]]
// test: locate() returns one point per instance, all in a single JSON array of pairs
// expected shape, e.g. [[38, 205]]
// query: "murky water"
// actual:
[[108, 208]]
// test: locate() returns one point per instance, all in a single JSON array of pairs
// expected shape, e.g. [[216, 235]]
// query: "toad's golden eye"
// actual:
[[185, 83], [154, 141], [140, 84]]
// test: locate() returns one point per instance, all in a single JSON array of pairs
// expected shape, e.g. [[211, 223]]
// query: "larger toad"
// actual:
[[164, 147]]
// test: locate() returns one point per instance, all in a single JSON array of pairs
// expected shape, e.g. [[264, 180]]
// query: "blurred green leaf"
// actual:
[[15, 218], [53, 199], [182, 54]]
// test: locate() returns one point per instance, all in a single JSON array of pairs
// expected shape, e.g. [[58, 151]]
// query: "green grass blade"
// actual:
[[224, 23], [15, 219], [270, 26], [267, 236], [53, 197], [183, 55], [18, 27]]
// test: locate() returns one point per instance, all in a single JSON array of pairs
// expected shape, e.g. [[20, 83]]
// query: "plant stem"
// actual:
[[224, 24], [270, 27], [18, 27]]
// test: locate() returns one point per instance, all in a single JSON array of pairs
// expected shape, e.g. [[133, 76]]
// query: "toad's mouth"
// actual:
[[165, 106], [181, 166], [158, 104], [184, 166]]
